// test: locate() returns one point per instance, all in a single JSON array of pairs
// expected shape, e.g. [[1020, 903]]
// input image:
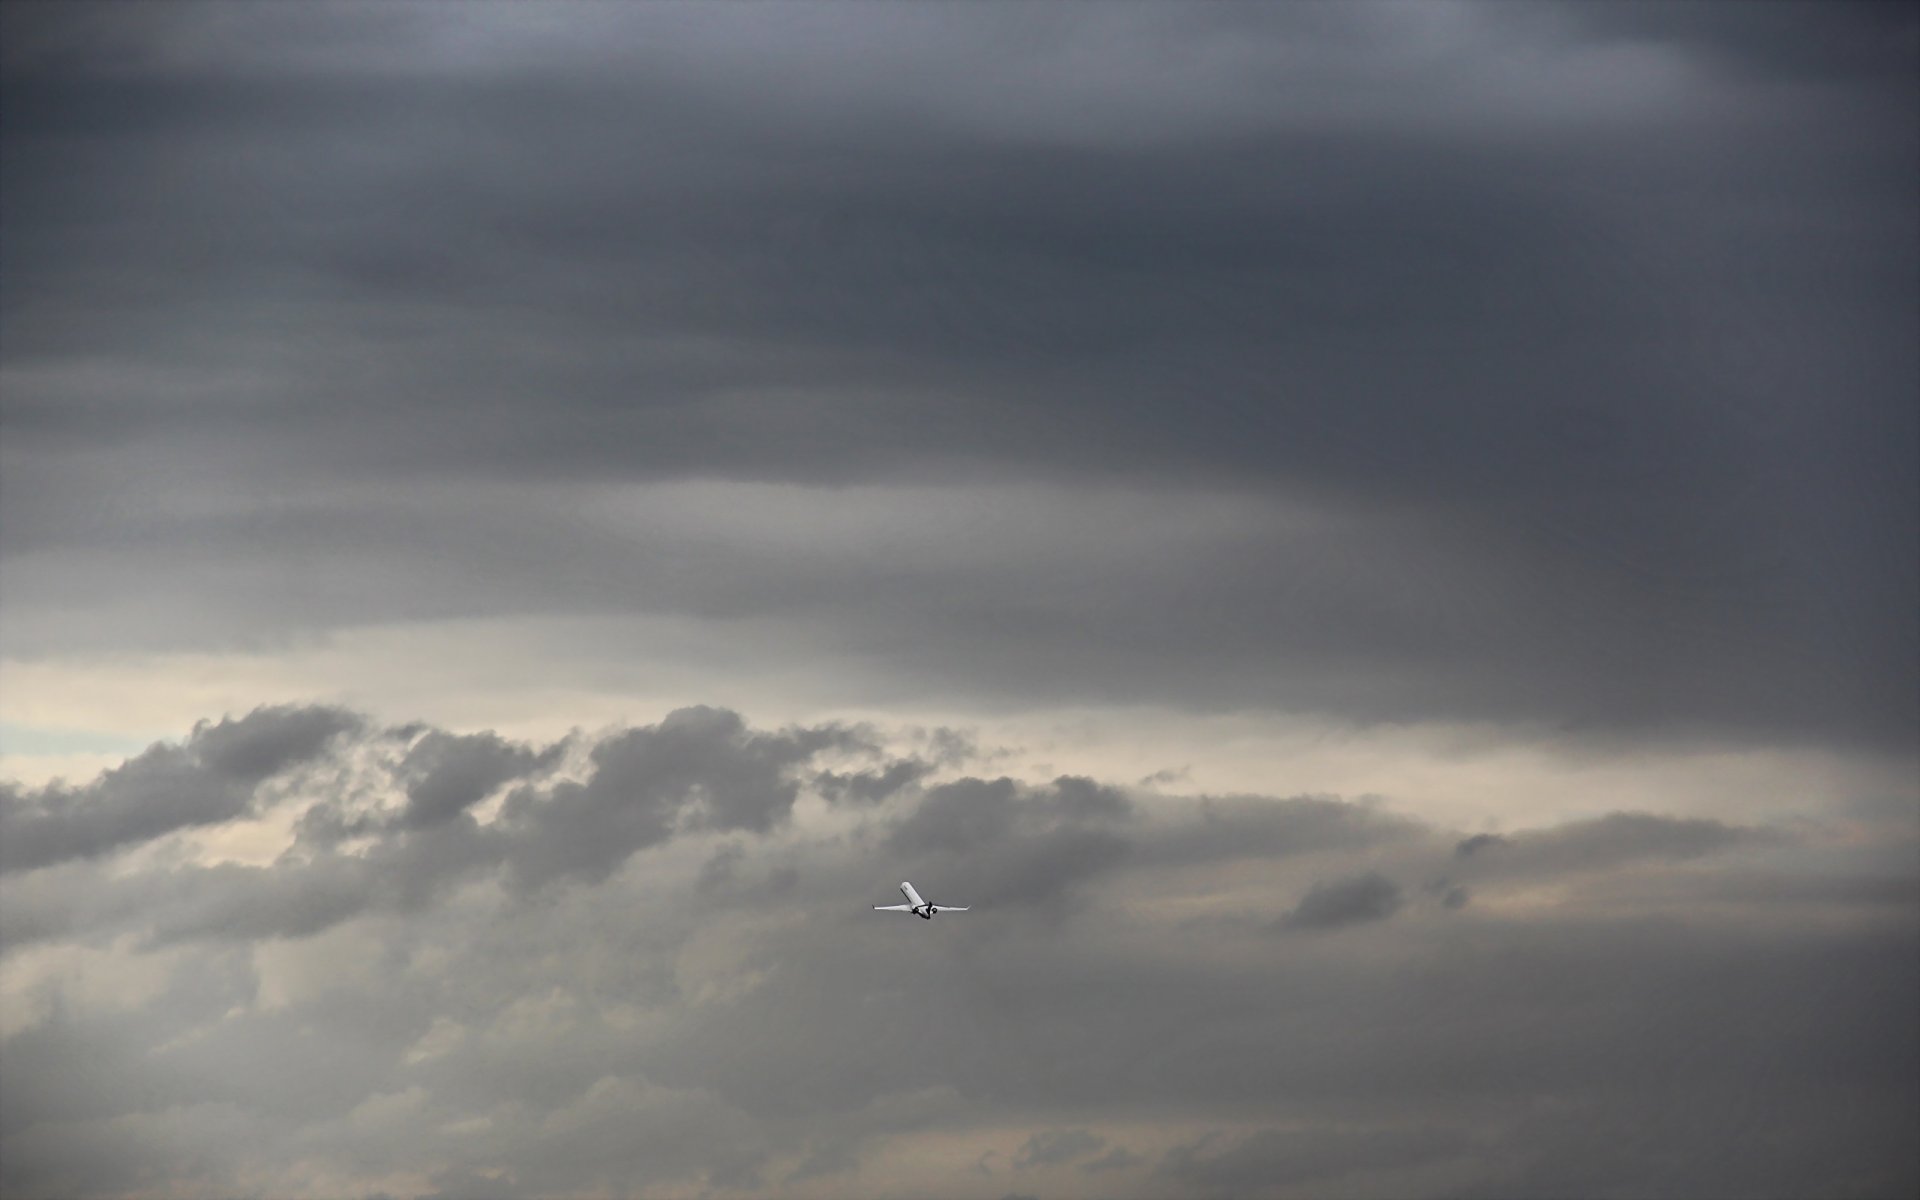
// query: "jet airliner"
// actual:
[[918, 907]]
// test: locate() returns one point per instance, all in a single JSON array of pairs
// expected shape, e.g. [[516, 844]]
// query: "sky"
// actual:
[[1373, 544]]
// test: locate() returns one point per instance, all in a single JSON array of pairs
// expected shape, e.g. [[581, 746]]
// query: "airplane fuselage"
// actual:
[[921, 908], [918, 905]]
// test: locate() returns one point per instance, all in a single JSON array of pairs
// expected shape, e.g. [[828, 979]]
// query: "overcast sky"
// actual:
[[1374, 544]]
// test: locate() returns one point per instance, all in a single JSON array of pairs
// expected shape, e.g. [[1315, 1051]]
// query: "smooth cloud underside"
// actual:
[[1547, 364], [644, 958]]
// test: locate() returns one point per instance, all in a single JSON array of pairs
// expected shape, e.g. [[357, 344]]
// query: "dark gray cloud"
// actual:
[[1022, 846], [1081, 797], [1592, 376], [959, 816], [697, 769], [700, 767], [451, 774], [1847, 42], [483, 1001], [1546, 370], [871, 787], [1468, 847], [1350, 901], [208, 779]]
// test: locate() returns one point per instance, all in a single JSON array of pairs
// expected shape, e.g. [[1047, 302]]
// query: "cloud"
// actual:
[[1055, 1146], [1277, 1156], [886, 366], [451, 774], [871, 787], [209, 778], [697, 769], [1264, 827], [958, 816], [700, 767], [1019, 846], [598, 984], [1537, 376], [1467, 847], [1800, 42], [1117, 1159], [1349, 901], [1602, 843]]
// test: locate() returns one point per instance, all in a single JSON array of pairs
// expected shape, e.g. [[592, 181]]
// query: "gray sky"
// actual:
[[1374, 543]]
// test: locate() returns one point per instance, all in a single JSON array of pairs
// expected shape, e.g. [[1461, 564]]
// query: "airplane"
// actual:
[[919, 908]]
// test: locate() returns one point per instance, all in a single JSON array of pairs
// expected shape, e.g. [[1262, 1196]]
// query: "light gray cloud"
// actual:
[[1601, 844], [1227, 827], [1117, 1159], [484, 999], [1288, 1156]]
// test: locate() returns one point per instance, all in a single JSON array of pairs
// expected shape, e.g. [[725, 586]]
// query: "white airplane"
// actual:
[[919, 908]]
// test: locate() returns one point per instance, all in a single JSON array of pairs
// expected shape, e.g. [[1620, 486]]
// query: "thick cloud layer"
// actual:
[[1434, 400], [1457, 361], [643, 962]]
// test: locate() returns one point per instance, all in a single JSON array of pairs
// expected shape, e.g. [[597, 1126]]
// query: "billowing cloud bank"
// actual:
[[302, 952]]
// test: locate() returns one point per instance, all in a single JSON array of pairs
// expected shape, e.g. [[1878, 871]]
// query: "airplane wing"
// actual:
[[948, 908], [893, 908]]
